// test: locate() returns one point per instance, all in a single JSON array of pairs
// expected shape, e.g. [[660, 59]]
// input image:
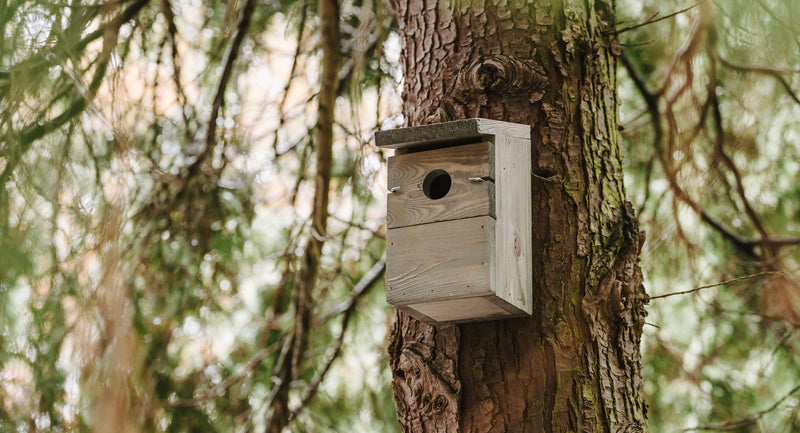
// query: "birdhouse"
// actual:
[[458, 239]]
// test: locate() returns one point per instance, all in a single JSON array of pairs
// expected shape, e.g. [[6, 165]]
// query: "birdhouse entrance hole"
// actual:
[[436, 184]]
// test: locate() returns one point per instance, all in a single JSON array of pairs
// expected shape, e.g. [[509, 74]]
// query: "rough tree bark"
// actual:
[[575, 366]]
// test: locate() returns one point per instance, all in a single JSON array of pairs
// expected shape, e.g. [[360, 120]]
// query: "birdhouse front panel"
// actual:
[[446, 260], [459, 220], [441, 185]]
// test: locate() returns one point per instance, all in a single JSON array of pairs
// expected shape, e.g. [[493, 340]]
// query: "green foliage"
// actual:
[[723, 357], [146, 270]]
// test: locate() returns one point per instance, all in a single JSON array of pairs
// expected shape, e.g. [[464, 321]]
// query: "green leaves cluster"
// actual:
[[146, 271]]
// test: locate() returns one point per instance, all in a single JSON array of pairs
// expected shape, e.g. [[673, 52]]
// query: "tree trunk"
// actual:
[[575, 365]]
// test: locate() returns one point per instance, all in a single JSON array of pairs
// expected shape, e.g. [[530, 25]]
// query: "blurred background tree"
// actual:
[[158, 171], [710, 113]]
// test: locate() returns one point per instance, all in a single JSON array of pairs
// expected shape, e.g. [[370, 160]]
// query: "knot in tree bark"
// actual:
[[499, 74]]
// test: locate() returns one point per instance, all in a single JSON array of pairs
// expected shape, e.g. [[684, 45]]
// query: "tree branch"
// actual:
[[699, 28], [219, 99], [747, 420], [278, 414], [172, 33], [773, 72], [37, 130], [651, 100], [295, 60], [722, 283], [362, 287], [223, 386], [653, 19]]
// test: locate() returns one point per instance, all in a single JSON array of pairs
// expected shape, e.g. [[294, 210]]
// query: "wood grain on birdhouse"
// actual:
[[459, 220], [441, 185]]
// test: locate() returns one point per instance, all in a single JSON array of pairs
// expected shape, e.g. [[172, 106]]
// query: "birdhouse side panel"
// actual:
[[513, 251]]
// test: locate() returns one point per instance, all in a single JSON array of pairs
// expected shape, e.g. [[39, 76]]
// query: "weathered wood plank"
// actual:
[[460, 310], [409, 205], [426, 135], [513, 253], [438, 261], [465, 254]]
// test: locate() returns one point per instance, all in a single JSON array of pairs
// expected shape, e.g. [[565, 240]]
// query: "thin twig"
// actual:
[[368, 281], [292, 72], [708, 286], [746, 420], [651, 99], [719, 142], [287, 369], [219, 390], [172, 34], [683, 55], [219, 99], [773, 72], [652, 20]]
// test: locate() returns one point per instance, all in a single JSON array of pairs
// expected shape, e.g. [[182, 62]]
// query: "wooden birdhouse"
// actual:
[[458, 240]]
